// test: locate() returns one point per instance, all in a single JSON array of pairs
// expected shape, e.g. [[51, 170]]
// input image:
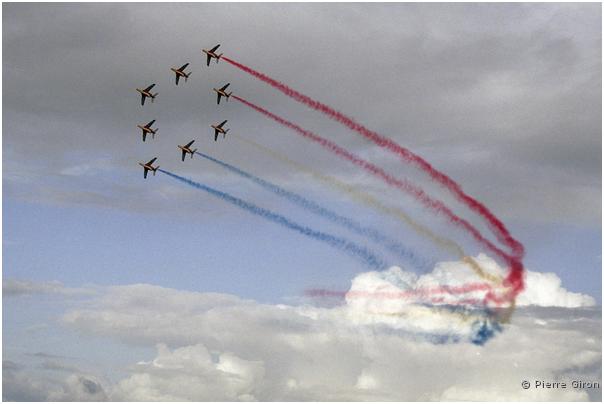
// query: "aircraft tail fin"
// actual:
[[187, 76], [194, 151], [218, 58], [155, 169], [153, 97]]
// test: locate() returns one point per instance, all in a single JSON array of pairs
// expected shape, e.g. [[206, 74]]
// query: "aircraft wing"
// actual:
[[190, 143], [215, 134], [214, 48], [218, 101], [209, 58], [143, 99], [184, 153], [183, 67], [151, 161], [149, 124], [177, 77], [150, 87], [225, 86], [145, 173], [144, 135], [223, 122]]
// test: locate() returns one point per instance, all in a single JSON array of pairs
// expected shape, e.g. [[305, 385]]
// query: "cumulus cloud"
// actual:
[[220, 347], [191, 373], [545, 289], [395, 288]]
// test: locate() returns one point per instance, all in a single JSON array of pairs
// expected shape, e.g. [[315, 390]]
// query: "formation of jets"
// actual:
[[181, 72]]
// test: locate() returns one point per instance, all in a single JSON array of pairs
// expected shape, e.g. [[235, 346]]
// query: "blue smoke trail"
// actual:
[[317, 209], [362, 253]]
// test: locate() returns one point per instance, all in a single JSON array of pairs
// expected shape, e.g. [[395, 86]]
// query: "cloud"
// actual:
[[545, 290], [541, 289], [220, 347], [22, 384], [16, 287], [79, 388], [441, 79], [191, 373]]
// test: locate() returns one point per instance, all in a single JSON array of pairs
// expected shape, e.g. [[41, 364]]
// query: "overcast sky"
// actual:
[[504, 98]]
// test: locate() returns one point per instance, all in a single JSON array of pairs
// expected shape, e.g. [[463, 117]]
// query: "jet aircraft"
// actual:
[[218, 129], [147, 93], [187, 149], [212, 54], [149, 166], [222, 93], [181, 72], [147, 129]]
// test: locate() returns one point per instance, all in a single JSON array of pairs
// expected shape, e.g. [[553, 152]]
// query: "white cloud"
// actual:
[[220, 347], [191, 374], [395, 288], [545, 289], [217, 347]]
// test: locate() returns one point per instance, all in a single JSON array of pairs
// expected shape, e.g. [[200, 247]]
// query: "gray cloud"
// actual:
[[28, 385], [219, 347], [17, 287], [517, 84]]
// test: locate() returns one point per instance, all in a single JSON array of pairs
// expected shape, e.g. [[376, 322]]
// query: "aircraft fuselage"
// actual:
[[179, 72], [148, 167], [219, 129], [145, 93], [186, 150], [212, 54], [222, 93], [146, 129]]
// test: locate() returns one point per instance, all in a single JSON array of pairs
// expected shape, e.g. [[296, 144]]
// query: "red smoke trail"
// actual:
[[498, 228], [514, 278]]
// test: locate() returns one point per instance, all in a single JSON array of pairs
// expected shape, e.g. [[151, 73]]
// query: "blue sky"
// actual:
[[236, 253]]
